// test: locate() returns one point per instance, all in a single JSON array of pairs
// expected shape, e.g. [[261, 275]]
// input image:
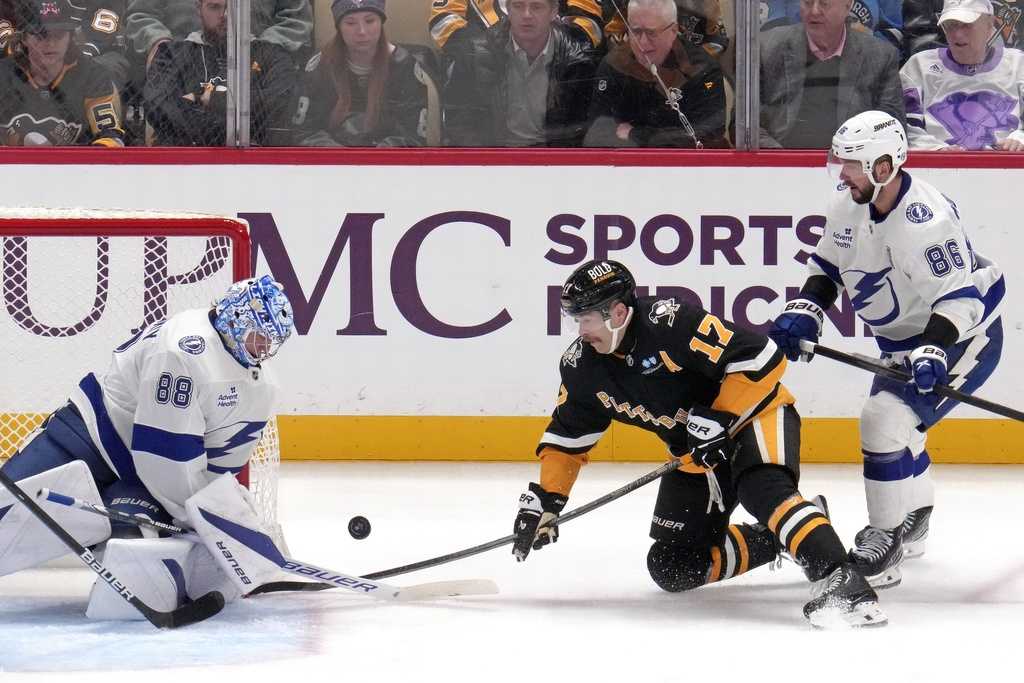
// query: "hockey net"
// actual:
[[77, 283]]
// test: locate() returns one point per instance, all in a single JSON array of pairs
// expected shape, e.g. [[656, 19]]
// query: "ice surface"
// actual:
[[582, 610]]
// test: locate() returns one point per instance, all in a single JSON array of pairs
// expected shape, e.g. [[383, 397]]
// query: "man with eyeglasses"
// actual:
[[817, 74], [657, 90]]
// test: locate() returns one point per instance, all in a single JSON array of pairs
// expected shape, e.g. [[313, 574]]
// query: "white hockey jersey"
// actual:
[[175, 409], [900, 268], [973, 107]]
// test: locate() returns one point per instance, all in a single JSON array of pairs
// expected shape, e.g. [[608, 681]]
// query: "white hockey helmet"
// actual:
[[867, 138]]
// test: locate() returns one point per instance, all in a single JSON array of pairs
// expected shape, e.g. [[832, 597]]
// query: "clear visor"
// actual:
[[587, 323], [839, 169]]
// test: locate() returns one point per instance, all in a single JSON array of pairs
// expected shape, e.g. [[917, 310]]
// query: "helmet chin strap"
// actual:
[[616, 331]]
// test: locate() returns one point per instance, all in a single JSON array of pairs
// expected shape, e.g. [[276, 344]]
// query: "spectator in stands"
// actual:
[[684, 106], [883, 18], [52, 93], [529, 85], [922, 32], [817, 74], [363, 91], [965, 96], [700, 22], [458, 25], [187, 87], [7, 19], [288, 24]]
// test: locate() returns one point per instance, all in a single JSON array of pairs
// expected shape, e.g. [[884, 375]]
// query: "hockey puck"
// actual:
[[359, 527]]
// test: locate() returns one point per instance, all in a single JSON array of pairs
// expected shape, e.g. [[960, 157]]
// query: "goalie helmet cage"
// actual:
[[77, 283]]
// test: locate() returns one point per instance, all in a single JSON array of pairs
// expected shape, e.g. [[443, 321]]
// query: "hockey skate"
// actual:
[[915, 532], [878, 555], [844, 598]]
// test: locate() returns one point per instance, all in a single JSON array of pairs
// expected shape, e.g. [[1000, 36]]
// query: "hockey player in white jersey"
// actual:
[[161, 433], [896, 245], [966, 96]]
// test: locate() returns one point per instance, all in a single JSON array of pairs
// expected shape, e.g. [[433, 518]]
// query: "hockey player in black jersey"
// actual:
[[709, 389], [53, 94]]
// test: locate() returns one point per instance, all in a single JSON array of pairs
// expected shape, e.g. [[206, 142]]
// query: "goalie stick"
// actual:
[[276, 586], [903, 376], [326, 578], [203, 608]]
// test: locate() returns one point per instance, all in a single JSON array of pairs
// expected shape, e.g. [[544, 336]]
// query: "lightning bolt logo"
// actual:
[[245, 433], [869, 285]]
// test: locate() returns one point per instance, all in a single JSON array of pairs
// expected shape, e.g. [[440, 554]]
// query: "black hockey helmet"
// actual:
[[596, 285]]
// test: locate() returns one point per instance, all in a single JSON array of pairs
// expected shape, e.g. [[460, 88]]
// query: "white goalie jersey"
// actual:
[[176, 410], [900, 268], [971, 106]]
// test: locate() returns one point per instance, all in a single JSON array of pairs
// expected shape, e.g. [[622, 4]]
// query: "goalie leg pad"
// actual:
[[225, 518], [153, 569], [24, 540]]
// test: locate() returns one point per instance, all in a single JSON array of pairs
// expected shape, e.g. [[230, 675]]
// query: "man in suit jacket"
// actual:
[[817, 74]]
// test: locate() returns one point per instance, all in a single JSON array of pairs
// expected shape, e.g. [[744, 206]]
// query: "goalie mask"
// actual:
[[254, 318], [595, 287]]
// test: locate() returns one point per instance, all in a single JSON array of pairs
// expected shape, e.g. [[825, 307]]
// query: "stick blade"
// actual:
[[446, 589], [198, 610]]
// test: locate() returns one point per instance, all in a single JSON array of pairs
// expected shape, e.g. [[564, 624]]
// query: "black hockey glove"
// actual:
[[707, 436], [536, 524]]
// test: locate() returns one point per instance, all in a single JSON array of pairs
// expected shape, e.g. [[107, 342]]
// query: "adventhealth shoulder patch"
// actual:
[[193, 344]]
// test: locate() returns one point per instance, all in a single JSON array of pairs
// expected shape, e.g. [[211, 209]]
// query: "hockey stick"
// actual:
[[327, 578], [198, 610], [904, 376], [672, 464]]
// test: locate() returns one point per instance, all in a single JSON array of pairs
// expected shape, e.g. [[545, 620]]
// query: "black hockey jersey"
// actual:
[[80, 107], [676, 356]]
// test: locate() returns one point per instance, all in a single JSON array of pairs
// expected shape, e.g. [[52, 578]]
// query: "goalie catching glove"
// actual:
[[536, 524], [707, 436]]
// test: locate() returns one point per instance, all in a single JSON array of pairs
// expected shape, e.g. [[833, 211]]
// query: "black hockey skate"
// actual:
[[878, 555], [844, 598], [915, 532]]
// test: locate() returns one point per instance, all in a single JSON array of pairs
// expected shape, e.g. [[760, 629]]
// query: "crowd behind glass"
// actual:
[[509, 73]]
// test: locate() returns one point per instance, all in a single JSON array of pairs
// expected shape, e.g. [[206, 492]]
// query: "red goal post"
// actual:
[[78, 282]]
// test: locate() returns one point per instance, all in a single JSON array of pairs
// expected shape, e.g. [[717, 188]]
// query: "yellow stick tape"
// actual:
[[400, 437]]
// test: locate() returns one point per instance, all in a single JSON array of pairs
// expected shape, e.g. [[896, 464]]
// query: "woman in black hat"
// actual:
[[363, 91]]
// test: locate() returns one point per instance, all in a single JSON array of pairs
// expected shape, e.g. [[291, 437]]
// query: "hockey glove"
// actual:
[[800, 319], [928, 366], [707, 436], [536, 524]]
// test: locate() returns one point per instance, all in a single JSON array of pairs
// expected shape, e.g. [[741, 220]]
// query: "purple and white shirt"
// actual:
[[971, 106]]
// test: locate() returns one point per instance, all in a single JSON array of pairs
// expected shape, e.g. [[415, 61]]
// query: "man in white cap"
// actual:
[[965, 96], [921, 29]]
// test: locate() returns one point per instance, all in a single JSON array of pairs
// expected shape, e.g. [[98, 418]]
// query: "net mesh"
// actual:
[[76, 284]]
